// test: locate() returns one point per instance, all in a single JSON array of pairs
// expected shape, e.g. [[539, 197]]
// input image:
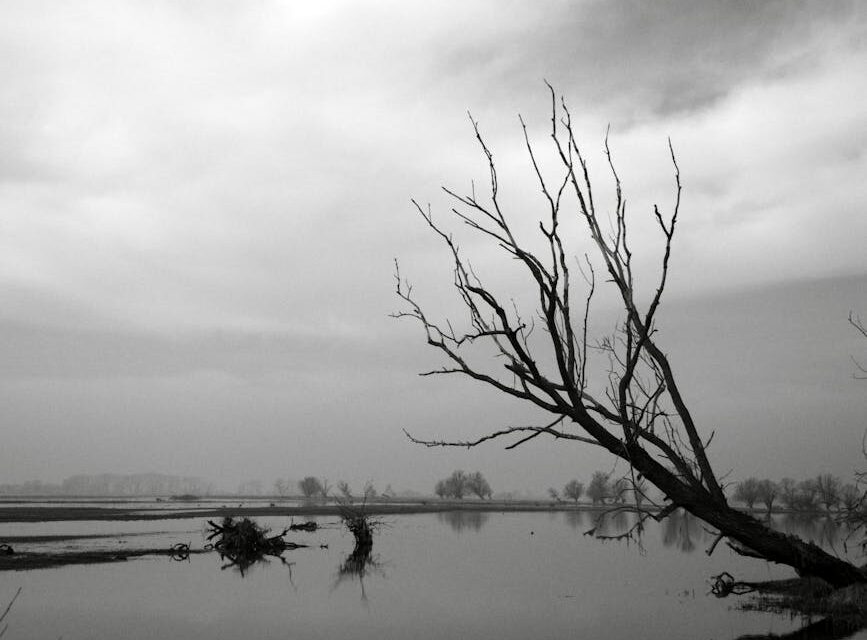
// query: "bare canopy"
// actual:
[[635, 408]]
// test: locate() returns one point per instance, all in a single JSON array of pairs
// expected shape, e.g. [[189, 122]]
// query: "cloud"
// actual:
[[206, 198]]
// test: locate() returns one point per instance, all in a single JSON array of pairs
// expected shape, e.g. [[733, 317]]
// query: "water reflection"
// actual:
[[612, 524], [822, 530], [358, 565], [683, 531], [464, 520], [575, 519], [827, 629]]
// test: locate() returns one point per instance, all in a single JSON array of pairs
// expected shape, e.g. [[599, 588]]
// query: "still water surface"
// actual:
[[447, 575]]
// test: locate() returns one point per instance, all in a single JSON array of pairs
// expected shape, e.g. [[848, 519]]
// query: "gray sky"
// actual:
[[200, 204]]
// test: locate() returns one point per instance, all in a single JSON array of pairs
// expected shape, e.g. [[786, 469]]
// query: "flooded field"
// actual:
[[434, 575]]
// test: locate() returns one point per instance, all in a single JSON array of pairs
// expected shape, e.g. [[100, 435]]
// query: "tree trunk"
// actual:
[[806, 558]]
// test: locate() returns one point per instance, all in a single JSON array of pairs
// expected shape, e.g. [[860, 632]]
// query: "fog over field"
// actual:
[[201, 204]]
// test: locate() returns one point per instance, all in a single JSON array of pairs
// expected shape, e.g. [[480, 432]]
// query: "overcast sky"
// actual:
[[201, 202]]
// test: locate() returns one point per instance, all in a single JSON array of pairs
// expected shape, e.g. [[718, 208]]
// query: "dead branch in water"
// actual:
[[243, 542]]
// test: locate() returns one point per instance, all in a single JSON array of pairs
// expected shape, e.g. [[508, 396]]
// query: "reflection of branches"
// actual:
[[242, 543], [464, 520], [574, 518], [358, 565], [6, 613], [825, 629], [681, 530], [819, 529]]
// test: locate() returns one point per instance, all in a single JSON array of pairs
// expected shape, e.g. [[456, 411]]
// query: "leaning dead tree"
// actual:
[[634, 408]]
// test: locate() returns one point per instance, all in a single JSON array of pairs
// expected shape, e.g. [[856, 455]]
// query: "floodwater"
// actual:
[[446, 575]]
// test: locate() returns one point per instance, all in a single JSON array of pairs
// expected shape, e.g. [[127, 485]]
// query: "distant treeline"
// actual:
[[113, 484], [825, 492]]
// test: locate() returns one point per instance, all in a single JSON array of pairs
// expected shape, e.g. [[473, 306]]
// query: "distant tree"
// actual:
[[478, 485], [573, 490], [598, 490], [370, 491], [345, 491], [747, 491], [440, 489], [767, 493], [619, 489], [281, 487], [455, 486], [850, 498], [553, 494], [788, 493], [310, 487], [808, 496], [828, 488], [325, 488]]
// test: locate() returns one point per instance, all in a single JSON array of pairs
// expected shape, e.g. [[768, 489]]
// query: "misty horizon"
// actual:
[[201, 208]]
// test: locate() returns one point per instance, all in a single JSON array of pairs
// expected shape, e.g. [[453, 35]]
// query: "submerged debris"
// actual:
[[180, 551], [243, 542], [844, 609]]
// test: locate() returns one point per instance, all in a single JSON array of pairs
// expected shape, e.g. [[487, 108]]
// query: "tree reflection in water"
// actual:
[[575, 519], [826, 629], [358, 565], [821, 529], [684, 531], [464, 520]]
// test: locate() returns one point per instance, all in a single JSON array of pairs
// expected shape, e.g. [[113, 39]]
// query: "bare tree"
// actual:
[[851, 498], [808, 496], [478, 485], [281, 487], [345, 491], [573, 490], [637, 411], [440, 489], [789, 492], [370, 491], [553, 494], [828, 488], [310, 487], [599, 490], [455, 486], [768, 491], [747, 491]]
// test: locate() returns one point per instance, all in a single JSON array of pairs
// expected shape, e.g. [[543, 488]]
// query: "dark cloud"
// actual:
[[635, 60]]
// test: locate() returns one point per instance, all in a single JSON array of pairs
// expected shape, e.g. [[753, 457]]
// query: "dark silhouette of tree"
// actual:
[[598, 491], [455, 486], [573, 490], [808, 496], [440, 489], [478, 485], [767, 493], [828, 488], [850, 498], [310, 487], [788, 493], [747, 491], [636, 410], [345, 491]]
